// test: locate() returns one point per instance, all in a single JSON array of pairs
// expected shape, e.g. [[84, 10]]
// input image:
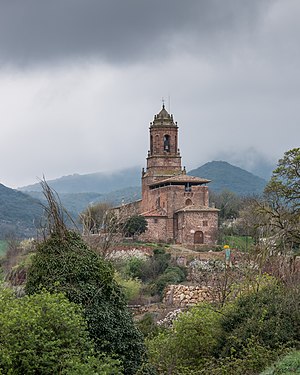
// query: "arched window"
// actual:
[[167, 143]]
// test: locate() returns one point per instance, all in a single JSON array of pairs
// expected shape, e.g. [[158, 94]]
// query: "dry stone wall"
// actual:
[[185, 295]]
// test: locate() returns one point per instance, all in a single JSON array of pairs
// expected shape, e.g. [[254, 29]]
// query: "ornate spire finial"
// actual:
[[163, 102]]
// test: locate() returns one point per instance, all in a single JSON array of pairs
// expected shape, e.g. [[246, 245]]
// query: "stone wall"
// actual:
[[185, 295], [190, 222]]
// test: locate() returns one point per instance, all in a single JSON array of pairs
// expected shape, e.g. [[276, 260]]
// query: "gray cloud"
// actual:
[[35, 31]]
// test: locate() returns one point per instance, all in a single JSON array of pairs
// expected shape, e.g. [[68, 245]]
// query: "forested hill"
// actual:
[[225, 176], [94, 182], [20, 214]]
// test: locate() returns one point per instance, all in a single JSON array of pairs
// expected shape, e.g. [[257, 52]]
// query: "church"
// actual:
[[175, 205]]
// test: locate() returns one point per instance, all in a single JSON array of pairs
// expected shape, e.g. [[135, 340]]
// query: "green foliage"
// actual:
[[3, 247], [189, 343], [135, 225], [228, 203], [95, 217], [288, 365], [272, 315], [19, 213], [285, 179], [134, 267], [242, 243], [131, 287], [282, 206], [67, 265], [147, 325], [171, 275], [155, 265], [46, 334]]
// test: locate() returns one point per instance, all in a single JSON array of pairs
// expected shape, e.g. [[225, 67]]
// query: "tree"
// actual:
[[271, 315], [95, 217], [68, 265], [283, 198], [135, 225], [188, 343], [47, 334], [64, 263]]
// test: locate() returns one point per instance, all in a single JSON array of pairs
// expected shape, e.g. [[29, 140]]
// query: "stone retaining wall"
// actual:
[[183, 295]]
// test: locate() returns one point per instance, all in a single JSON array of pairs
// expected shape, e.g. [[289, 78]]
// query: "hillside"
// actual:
[[75, 203], [225, 176], [19, 213], [93, 182]]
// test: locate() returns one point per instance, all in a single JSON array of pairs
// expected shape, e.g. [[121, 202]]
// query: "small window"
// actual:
[[187, 187], [205, 223], [188, 202], [158, 202], [155, 220]]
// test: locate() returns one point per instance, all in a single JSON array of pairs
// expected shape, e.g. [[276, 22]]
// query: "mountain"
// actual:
[[225, 176], [93, 182], [20, 214], [76, 192], [75, 203]]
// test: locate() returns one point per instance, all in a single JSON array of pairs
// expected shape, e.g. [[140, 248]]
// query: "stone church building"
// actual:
[[175, 205]]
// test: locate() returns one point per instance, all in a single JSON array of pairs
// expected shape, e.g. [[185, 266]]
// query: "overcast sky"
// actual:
[[80, 80]]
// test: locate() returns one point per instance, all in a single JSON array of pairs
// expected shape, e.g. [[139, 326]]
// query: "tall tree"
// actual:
[[64, 263]]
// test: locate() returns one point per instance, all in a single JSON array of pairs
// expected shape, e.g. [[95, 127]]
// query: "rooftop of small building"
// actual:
[[181, 180], [197, 208]]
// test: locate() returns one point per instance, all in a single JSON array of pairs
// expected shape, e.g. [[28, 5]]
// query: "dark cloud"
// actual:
[[37, 31]]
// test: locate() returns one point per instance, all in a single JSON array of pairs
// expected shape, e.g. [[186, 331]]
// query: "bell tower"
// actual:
[[164, 158]]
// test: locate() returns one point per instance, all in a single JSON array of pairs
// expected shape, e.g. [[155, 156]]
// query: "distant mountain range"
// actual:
[[20, 214], [21, 209], [225, 176], [92, 183]]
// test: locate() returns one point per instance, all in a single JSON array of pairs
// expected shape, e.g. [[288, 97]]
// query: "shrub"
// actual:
[[288, 365], [64, 263], [46, 334], [172, 275], [190, 341], [272, 315]]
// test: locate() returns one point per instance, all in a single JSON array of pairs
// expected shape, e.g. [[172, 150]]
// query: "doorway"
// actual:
[[198, 237]]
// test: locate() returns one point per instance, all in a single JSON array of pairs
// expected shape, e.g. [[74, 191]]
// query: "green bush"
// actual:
[[147, 325], [272, 315], [46, 334], [133, 267], [131, 287], [190, 341], [64, 263], [288, 365], [172, 275]]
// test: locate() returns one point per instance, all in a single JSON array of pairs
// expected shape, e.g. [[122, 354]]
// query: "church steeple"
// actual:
[[164, 156]]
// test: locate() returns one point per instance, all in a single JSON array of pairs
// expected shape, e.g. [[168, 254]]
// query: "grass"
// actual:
[[243, 243], [3, 247]]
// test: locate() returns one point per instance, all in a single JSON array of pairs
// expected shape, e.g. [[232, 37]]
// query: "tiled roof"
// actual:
[[156, 212], [182, 178], [193, 208]]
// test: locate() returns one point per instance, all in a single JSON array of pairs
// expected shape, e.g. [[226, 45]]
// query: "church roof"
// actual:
[[163, 113], [195, 208], [181, 180], [156, 212], [163, 118]]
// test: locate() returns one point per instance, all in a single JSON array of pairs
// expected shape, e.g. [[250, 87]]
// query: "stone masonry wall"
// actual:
[[183, 295]]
